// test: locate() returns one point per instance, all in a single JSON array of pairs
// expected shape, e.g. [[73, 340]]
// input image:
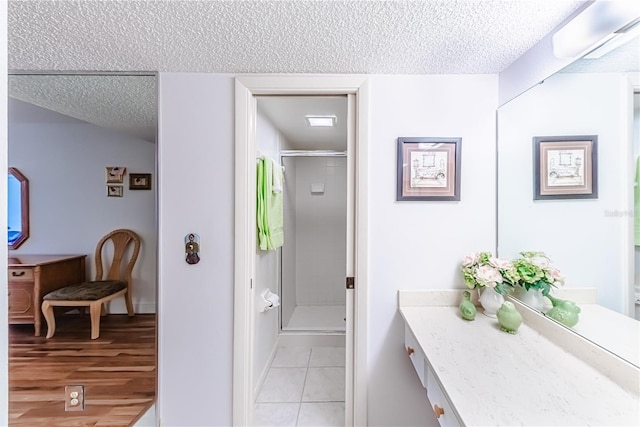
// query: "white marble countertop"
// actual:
[[495, 378], [607, 328], [616, 332]]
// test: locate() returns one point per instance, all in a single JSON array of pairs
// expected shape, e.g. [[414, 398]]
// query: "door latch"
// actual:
[[351, 282]]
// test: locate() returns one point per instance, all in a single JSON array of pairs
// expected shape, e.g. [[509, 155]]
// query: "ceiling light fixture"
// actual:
[[321, 121], [593, 27]]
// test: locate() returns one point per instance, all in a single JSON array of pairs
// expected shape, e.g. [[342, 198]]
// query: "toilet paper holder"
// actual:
[[269, 300]]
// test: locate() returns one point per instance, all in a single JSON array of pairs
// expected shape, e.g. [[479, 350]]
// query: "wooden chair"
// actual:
[[95, 293]]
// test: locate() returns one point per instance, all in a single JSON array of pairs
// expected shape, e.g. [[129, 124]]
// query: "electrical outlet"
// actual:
[[74, 398]]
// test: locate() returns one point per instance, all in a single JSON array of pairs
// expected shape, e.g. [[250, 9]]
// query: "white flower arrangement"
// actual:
[[535, 271], [484, 270]]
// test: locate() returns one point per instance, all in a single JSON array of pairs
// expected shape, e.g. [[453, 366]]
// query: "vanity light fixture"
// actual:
[[619, 38], [321, 121], [593, 27]]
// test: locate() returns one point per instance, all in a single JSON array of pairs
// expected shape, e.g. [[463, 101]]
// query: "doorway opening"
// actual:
[[258, 332], [305, 349]]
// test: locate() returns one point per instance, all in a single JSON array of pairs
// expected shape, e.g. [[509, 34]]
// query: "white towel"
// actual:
[[278, 177]]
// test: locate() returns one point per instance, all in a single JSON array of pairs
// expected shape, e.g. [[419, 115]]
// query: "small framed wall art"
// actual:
[[114, 190], [565, 167], [428, 168], [139, 181], [115, 174]]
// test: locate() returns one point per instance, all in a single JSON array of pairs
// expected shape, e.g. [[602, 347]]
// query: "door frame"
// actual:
[[246, 88]]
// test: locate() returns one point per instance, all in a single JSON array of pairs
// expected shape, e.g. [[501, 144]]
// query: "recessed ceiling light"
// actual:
[[321, 121]]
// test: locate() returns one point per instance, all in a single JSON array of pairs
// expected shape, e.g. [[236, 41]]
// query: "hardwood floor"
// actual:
[[118, 371]]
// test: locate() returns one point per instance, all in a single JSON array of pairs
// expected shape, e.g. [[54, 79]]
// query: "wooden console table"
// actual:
[[33, 276]]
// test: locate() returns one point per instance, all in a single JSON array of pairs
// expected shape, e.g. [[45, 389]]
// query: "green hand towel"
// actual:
[[270, 208], [260, 206]]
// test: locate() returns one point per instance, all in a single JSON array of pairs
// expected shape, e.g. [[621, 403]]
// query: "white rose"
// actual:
[[540, 261], [470, 259], [488, 276], [499, 262], [556, 276]]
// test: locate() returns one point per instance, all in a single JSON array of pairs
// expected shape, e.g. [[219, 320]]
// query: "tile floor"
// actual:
[[304, 387]]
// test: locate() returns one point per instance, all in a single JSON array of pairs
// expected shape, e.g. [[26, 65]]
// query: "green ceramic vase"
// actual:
[[467, 309], [509, 317]]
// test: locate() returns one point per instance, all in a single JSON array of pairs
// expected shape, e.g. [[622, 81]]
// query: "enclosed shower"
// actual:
[[313, 262]]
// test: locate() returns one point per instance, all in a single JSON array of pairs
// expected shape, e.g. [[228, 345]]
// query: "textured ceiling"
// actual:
[[342, 37], [373, 37], [123, 103]]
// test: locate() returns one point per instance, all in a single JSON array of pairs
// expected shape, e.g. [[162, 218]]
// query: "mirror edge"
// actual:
[[24, 195]]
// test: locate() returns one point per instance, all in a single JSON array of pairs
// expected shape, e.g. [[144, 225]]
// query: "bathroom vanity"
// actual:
[[476, 374]]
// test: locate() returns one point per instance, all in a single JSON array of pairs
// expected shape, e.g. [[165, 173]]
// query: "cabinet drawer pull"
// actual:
[[18, 274], [437, 410], [410, 351]]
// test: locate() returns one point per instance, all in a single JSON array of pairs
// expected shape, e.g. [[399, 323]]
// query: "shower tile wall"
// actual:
[[320, 230]]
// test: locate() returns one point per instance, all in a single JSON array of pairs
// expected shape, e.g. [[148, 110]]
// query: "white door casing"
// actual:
[[350, 261], [357, 90]]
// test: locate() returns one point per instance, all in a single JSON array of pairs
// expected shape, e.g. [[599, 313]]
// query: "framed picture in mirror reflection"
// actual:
[[565, 167]]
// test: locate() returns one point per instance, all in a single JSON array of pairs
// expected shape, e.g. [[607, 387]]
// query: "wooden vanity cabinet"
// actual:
[[30, 277]]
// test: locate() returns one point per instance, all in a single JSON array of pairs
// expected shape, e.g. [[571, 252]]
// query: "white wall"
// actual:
[[268, 141], [64, 160], [636, 155], [321, 230], [585, 238], [413, 245], [195, 335], [419, 245]]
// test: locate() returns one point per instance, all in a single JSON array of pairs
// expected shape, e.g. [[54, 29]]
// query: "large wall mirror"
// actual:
[[64, 133], [591, 240], [17, 208]]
